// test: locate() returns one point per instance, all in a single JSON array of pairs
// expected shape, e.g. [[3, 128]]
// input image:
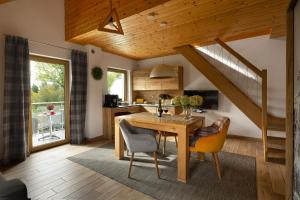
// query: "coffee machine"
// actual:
[[111, 100]]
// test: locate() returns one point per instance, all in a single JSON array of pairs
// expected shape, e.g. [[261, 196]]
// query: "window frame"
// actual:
[[66, 64], [123, 71]]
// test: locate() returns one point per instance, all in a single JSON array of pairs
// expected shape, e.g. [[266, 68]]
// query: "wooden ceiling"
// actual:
[[196, 22], [5, 1]]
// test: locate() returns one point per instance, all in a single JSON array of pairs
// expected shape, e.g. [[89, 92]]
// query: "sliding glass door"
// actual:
[[49, 118]]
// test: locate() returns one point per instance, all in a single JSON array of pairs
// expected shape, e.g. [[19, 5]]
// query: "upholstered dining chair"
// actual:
[[139, 140], [211, 140]]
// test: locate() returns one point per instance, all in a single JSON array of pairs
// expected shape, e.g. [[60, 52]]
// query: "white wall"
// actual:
[[297, 104], [261, 51], [97, 89], [38, 20], [42, 21]]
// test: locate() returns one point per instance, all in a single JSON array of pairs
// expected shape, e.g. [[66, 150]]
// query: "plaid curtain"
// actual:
[[16, 99], [78, 96]]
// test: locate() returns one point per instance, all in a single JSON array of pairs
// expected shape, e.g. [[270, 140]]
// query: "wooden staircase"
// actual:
[[274, 147]]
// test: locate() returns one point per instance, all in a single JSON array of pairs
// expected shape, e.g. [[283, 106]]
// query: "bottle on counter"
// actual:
[[159, 109]]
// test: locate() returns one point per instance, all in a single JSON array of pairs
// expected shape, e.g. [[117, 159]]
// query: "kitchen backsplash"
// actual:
[[152, 96]]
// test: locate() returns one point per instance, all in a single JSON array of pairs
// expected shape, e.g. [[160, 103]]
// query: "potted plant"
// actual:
[[188, 103]]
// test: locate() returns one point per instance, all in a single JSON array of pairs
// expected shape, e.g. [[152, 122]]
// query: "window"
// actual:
[[49, 102], [117, 83]]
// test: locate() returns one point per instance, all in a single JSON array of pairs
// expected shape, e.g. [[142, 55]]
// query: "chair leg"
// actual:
[[159, 137], [164, 147], [176, 141], [131, 161], [156, 163], [217, 162]]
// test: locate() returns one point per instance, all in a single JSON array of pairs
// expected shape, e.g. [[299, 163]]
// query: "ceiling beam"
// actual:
[[85, 16], [5, 1]]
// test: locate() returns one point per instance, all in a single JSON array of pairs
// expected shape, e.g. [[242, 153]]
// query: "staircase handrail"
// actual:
[[240, 57]]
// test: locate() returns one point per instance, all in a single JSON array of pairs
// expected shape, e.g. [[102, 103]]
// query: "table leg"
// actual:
[[183, 157], [119, 141]]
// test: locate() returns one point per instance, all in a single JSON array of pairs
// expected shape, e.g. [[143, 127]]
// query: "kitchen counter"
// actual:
[[109, 116], [154, 105]]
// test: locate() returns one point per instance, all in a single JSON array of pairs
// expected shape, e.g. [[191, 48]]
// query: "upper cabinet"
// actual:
[[141, 81]]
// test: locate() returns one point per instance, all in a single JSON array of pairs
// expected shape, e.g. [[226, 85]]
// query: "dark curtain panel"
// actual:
[[16, 99], [78, 96]]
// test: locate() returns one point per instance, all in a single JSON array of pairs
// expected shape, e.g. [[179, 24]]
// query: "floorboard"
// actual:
[[49, 175]]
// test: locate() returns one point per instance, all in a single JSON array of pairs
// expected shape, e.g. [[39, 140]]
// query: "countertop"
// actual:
[[154, 105], [144, 105]]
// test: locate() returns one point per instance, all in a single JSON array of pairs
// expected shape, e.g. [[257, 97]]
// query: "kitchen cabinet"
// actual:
[[142, 82], [109, 116]]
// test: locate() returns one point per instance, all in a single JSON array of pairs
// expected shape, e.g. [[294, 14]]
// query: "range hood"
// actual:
[[163, 71]]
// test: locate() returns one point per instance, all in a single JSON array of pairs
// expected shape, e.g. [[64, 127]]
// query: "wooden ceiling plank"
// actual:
[[210, 23], [153, 27], [189, 22], [80, 13], [5, 1]]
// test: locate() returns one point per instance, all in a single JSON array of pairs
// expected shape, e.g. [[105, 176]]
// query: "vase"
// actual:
[[187, 111]]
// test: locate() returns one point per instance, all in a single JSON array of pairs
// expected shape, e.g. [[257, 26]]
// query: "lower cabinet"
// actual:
[[109, 118]]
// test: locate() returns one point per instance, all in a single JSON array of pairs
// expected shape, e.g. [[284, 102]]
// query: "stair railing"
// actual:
[[245, 76]]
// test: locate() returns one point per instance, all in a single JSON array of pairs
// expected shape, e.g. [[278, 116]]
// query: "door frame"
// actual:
[[290, 101], [66, 64]]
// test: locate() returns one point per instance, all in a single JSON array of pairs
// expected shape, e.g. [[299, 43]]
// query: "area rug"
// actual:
[[238, 178]]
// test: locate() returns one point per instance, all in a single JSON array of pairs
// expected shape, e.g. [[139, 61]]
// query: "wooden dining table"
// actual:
[[175, 124]]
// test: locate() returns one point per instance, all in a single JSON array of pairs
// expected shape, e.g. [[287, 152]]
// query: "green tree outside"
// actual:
[[49, 86], [51, 73], [111, 78]]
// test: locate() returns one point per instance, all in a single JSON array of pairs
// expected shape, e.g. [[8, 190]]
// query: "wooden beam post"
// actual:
[[290, 101], [264, 113]]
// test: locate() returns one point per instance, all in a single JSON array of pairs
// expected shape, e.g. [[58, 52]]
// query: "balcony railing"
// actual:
[[42, 117], [47, 125]]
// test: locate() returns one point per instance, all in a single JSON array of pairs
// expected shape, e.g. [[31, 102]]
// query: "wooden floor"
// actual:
[[49, 175]]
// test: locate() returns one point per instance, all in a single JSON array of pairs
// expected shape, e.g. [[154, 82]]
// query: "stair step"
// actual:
[[279, 134], [276, 123], [276, 127], [276, 140], [276, 155]]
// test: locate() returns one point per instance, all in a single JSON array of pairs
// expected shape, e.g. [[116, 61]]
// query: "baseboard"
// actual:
[[244, 138]]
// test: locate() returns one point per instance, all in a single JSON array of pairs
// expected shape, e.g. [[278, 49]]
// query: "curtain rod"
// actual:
[[44, 43]]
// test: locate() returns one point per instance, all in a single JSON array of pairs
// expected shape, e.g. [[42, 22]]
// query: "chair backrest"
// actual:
[[223, 124], [127, 131]]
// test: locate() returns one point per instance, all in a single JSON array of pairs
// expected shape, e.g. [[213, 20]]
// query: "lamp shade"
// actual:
[[163, 71]]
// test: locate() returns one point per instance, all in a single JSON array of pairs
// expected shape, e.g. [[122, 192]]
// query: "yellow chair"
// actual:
[[212, 143]]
